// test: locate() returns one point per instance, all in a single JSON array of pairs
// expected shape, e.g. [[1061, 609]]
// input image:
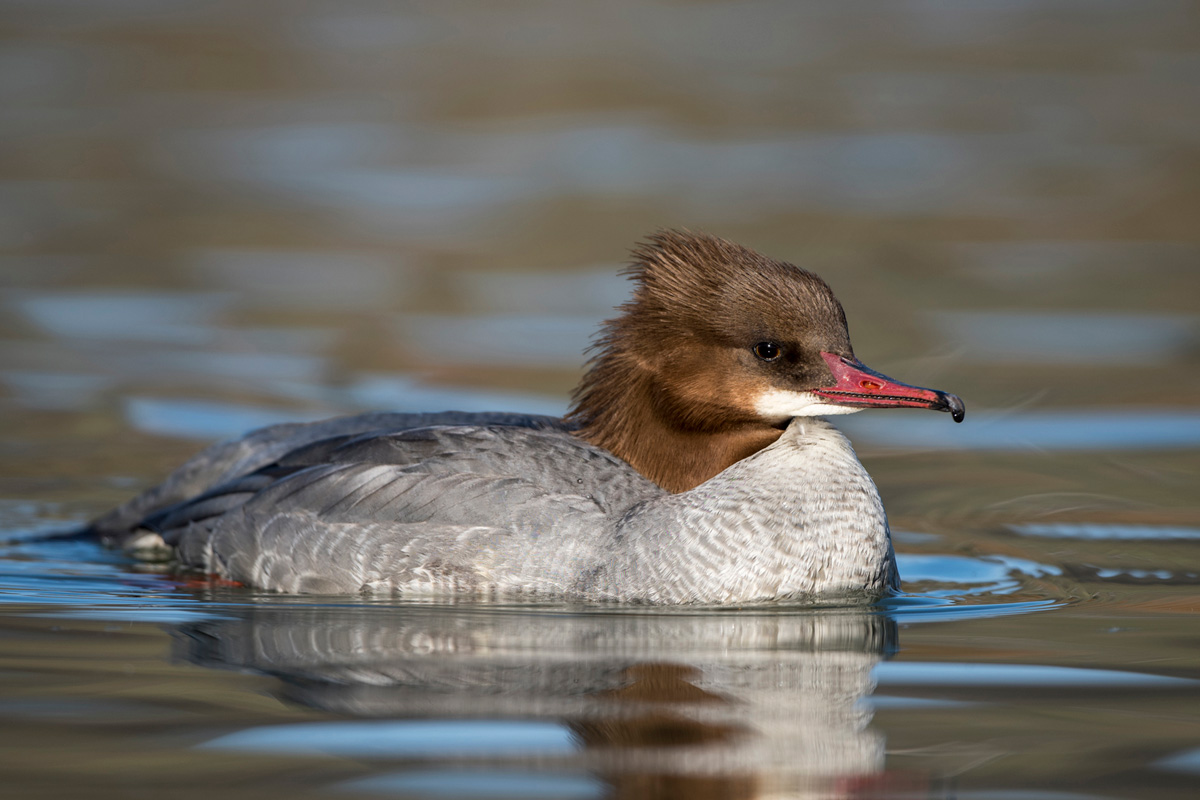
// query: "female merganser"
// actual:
[[693, 467]]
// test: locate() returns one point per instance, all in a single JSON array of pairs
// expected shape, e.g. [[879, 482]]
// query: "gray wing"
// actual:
[[228, 460], [553, 460], [338, 528]]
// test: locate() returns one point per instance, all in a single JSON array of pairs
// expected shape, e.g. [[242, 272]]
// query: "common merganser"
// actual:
[[693, 467]]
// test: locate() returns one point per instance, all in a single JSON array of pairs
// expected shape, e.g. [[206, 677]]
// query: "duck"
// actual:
[[696, 465]]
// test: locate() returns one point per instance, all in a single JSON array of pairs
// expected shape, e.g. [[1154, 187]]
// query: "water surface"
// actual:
[[214, 216]]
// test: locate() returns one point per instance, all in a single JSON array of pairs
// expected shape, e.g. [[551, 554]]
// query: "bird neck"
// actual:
[[620, 408]]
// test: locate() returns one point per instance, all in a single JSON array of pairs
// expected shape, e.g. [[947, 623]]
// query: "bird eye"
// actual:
[[766, 351]]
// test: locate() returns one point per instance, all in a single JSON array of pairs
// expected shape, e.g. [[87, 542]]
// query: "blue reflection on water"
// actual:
[[877, 702], [243, 368], [404, 739], [1107, 531], [926, 673], [304, 278], [593, 293], [961, 575], [201, 419], [923, 608], [1187, 761], [60, 391], [1128, 429], [1068, 337], [535, 340], [967, 570], [1159, 574], [399, 393], [178, 318], [885, 172], [1027, 794], [78, 578]]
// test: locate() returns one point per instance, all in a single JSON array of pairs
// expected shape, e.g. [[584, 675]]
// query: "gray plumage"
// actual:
[[501, 511], [233, 458]]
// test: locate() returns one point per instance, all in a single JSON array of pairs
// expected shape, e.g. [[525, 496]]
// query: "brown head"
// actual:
[[716, 352]]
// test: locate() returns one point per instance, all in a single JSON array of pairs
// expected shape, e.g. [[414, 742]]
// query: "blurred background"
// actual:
[[218, 214], [215, 215]]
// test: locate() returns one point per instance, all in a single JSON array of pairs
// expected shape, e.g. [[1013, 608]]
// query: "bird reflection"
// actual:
[[749, 704]]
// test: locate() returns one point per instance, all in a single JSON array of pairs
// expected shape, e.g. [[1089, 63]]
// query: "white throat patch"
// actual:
[[776, 403]]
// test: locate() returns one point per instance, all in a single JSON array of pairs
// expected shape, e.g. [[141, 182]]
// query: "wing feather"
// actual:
[[228, 460]]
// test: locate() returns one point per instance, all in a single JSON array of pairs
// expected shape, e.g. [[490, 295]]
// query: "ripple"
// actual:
[[931, 673], [917, 609], [959, 576], [1016, 264], [404, 739], [1075, 430], [537, 340], [1140, 574], [881, 702], [594, 293], [1187, 761], [398, 393], [962, 576], [1068, 337], [1107, 531], [966, 570], [456, 782], [337, 280], [79, 579], [173, 317], [60, 391], [260, 367], [455, 177], [199, 419], [26, 520], [82, 710]]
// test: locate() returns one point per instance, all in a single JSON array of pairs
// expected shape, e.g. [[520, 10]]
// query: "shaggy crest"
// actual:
[[694, 289]]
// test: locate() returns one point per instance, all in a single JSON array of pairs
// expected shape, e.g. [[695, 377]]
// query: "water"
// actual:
[[218, 215]]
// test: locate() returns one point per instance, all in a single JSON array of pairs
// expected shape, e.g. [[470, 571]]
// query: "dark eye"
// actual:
[[766, 351]]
